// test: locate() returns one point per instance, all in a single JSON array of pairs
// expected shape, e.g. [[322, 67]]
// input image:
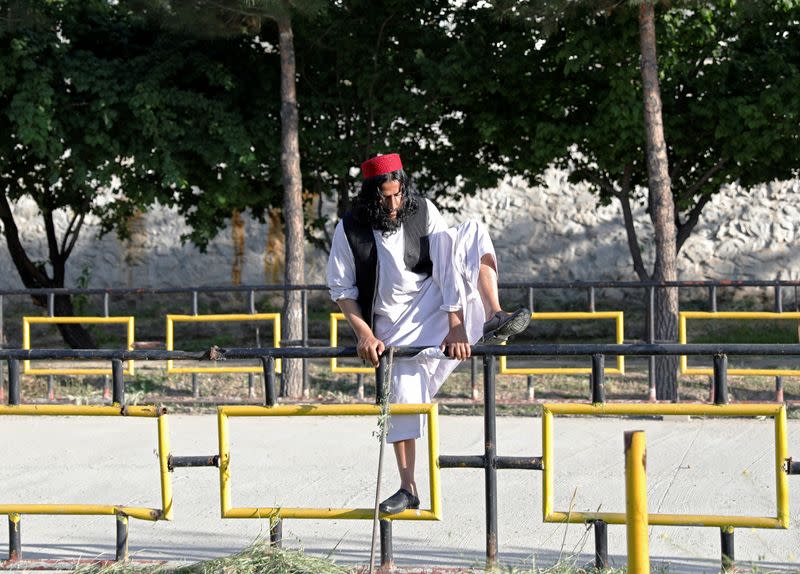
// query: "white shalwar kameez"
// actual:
[[411, 309]]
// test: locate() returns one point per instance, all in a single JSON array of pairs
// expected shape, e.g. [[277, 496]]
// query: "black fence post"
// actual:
[[380, 374], [276, 532], [728, 559], [251, 385], [720, 379], [490, 452], [268, 364], [600, 545], [651, 338], [387, 554], [531, 390], [591, 300], [778, 298], [118, 383], [474, 379], [779, 389], [14, 537], [13, 382], [360, 385], [712, 298], [598, 379], [122, 538], [304, 303]]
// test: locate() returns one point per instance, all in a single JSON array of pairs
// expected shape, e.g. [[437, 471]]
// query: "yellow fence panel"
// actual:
[[26, 343], [775, 411], [617, 316], [682, 335], [229, 511], [335, 368], [230, 318], [163, 513]]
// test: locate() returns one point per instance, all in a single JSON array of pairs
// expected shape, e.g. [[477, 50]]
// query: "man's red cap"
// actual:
[[380, 165]]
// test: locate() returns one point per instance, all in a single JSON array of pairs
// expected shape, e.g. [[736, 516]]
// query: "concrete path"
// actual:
[[695, 466]]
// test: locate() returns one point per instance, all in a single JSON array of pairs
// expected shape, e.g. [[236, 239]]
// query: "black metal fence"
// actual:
[[783, 292], [489, 460]]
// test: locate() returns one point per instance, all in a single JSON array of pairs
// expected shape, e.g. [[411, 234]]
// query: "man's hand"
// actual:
[[456, 344], [370, 348]]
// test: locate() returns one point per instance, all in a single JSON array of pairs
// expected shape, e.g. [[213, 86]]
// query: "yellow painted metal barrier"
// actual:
[[163, 513], [636, 502], [26, 342], [775, 411], [335, 368], [229, 318], [618, 317], [229, 511], [751, 315]]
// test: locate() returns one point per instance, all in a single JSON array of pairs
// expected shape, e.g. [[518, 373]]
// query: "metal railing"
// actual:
[[649, 289], [489, 460]]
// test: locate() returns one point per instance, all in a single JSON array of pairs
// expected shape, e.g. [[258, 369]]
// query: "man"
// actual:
[[402, 278]]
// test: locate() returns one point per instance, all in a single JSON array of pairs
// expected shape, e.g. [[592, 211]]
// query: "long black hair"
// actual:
[[368, 206]]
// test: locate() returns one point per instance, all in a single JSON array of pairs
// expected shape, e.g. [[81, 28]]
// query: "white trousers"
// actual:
[[456, 256]]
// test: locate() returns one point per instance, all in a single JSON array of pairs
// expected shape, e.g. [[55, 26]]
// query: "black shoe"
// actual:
[[503, 325], [398, 502]]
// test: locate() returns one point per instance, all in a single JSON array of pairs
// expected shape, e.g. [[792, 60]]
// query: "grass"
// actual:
[[262, 558]]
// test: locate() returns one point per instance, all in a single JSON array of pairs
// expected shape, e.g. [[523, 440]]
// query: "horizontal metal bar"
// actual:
[[455, 461], [518, 463], [323, 513], [635, 349], [791, 466], [654, 409], [82, 510], [320, 287], [174, 462], [656, 519], [500, 462], [83, 410], [355, 409]]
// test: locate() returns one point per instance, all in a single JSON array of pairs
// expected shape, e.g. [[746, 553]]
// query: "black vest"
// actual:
[[417, 255]]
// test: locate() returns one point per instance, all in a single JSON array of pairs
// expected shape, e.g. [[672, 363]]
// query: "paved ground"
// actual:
[[697, 466]]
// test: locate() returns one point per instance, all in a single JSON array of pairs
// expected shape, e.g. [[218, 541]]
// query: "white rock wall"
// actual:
[[556, 231]]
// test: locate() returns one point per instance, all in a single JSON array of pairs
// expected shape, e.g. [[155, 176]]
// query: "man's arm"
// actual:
[[369, 346]]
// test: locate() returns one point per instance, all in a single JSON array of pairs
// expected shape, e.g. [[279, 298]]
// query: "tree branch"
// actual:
[[685, 229], [704, 178], [68, 231], [52, 240], [630, 230], [75, 234], [30, 274]]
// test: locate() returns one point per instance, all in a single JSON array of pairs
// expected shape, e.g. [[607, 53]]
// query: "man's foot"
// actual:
[[503, 325], [398, 502]]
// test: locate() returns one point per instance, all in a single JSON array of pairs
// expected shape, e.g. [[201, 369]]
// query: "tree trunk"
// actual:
[[662, 208], [292, 205], [34, 277], [237, 235]]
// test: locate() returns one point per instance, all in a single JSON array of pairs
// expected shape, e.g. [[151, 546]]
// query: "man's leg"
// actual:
[[487, 286], [405, 452]]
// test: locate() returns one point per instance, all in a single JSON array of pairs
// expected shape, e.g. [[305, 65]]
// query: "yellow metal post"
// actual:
[[433, 467], [781, 454], [547, 464], [636, 502], [163, 455], [224, 464]]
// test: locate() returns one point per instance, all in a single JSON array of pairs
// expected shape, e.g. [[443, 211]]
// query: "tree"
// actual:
[[93, 101], [235, 17], [568, 90]]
